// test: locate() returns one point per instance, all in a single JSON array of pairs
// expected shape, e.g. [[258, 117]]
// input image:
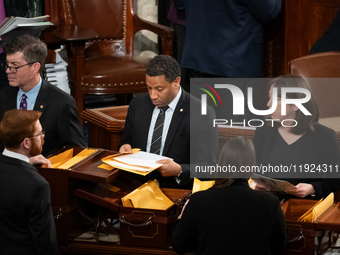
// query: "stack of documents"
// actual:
[[148, 196], [319, 208], [11, 23], [141, 162], [56, 73]]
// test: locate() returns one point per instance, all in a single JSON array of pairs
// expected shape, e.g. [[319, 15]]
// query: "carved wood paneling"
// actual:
[[295, 30]]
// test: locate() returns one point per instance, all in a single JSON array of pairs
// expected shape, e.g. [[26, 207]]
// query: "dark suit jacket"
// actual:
[[224, 37], [59, 116], [330, 40], [325, 144], [177, 145], [232, 220], [26, 219], [10, 8]]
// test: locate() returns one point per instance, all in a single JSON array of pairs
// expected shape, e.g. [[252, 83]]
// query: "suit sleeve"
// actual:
[[41, 222], [69, 130], [263, 10], [279, 236], [127, 133], [184, 235], [203, 145]]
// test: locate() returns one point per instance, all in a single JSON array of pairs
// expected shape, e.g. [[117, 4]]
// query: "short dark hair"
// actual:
[[237, 152], [304, 122], [33, 48], [16, 125], [164, 65]]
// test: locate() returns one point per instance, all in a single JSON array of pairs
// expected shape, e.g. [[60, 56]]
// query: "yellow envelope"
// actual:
[[77, 158], [148, 196], [66, 159], [201, 185], [319, 208], [61, 158], [110, 160]]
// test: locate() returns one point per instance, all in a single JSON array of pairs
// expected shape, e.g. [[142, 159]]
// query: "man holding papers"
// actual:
[[160, 123]]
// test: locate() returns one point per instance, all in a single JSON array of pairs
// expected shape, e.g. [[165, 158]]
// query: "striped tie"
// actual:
[[158, 131], [23, 102]]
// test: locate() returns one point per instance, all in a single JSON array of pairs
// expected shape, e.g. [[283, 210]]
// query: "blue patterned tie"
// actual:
[[23, 102], [158, 131]]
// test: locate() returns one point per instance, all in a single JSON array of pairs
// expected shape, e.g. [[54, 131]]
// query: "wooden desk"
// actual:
[[105, 126], [88, 248]]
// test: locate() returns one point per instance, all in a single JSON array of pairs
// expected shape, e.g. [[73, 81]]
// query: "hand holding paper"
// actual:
[[301, 190], [126, 148], [169, 167], [140, 162]]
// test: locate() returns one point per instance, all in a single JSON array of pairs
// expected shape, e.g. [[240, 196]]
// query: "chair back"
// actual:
[[318, 65], [325, 91], [112, 20]]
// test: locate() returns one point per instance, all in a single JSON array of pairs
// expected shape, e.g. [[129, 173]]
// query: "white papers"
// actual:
[[272, 184], [11, 23], [139, 160]]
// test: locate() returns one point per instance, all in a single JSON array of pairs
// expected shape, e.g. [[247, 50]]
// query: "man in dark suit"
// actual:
[[26, 219], [163, 83], [224, 37], [330, 40], [25, 57]]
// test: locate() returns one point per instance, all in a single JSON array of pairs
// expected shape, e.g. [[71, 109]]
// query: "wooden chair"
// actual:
[[325, 91], [99, 38]]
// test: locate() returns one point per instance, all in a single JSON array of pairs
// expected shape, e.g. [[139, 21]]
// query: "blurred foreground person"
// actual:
[[26, 219], [230, 217]]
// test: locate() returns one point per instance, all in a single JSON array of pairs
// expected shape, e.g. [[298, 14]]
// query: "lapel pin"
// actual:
[[181, 110], [41, 106]]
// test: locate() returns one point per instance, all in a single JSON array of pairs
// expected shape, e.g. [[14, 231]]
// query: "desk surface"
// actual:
[[95, 248]]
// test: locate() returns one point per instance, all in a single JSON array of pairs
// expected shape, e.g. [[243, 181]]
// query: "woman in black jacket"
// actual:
[[230, 217], [298, 143]]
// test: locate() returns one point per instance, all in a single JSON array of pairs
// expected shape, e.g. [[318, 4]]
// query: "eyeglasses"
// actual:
[[14, 69], [41, 133]]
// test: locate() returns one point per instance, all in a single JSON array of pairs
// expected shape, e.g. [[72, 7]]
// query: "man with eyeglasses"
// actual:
[[26, 219], [25, 58]]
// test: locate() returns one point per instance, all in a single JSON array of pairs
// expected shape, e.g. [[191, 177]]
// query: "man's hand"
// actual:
[[40, 159], [169, 167], [125, 148], [303, 190]]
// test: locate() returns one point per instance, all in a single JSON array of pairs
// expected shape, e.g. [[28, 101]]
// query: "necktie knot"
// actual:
[[163, 109]]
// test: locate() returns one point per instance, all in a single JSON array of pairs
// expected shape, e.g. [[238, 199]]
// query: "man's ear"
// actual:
[[26, 143], [36, 67], [178, 81]]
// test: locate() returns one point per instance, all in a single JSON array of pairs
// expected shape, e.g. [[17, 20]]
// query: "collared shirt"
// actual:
[[167, 121], [16, 155], [31, 96]]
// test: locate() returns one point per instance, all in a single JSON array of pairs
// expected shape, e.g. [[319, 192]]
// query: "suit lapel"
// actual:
[[145, 125], [12, 99], [41, 101], [181, 110]]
